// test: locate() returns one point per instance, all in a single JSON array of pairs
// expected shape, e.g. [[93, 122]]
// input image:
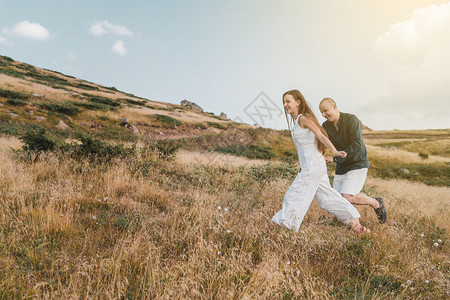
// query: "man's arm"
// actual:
[[354, 131]]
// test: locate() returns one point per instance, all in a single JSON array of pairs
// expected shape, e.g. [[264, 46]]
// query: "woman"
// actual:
[[312, 182]]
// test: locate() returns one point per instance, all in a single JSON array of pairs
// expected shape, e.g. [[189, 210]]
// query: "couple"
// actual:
[[311, 141]]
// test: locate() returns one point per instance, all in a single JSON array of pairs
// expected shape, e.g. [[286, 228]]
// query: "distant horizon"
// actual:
[[384, 61]]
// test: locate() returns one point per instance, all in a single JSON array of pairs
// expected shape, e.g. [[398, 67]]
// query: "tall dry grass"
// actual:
[[403, 156], [415, 198], [435, 147], [150, 229], [216, 159]]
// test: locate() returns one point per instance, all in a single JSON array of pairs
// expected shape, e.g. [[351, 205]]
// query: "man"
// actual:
[[345, 132]]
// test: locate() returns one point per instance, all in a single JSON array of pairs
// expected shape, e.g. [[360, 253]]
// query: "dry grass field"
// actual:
[[144, 228], [176, 204]]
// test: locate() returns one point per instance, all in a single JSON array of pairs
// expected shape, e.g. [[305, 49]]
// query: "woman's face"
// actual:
[[290, 104]]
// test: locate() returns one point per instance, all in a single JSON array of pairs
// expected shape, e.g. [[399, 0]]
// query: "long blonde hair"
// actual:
[[304, 109]]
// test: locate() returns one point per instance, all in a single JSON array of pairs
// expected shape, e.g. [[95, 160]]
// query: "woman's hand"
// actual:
[[342, 154]]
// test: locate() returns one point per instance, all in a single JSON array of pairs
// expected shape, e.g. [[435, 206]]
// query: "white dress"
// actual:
[[311, 182]]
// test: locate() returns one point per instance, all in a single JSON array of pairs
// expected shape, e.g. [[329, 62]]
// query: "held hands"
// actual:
[[342, 154], [330, 159]]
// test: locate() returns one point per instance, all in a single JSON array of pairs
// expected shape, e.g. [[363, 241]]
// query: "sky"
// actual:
[[386, 61]]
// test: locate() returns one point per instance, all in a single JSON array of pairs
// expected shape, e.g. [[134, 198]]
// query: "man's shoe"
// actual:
[[381, 211]]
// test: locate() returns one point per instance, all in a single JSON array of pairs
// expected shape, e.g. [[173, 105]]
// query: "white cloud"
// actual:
[[410, 105], [25, 29], [119, 48], [418, 50], [408, 43], [97, 30], [5, 41], [104, 27]]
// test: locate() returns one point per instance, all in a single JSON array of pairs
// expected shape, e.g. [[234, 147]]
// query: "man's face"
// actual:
[[329, 111]]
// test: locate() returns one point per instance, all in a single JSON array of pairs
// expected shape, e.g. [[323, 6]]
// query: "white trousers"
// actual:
[[312, 182]]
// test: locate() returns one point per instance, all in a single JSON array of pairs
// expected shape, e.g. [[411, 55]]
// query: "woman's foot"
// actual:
[[359, 229], [356, 227]]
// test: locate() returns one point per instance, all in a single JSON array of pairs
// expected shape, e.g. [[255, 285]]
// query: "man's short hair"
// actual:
[[329, 101]]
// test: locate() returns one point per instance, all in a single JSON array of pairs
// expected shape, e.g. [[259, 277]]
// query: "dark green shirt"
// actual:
[[348, 137]]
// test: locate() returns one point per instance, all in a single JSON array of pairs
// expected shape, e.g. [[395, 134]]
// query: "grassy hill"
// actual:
[[172, 204], [36, 96]]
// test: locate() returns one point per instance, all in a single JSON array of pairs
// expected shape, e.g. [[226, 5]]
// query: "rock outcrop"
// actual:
[[191, 105], [132, 128], [61, 125], [128, 126]]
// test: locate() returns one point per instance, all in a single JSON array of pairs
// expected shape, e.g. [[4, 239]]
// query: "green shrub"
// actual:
[[5, 61], [86, 87], [13, 95], [98, 148], [289, 156], [167, 149], [260, 152], [168, 121], [37, 76], [272, 171], [234, 149], [103, 100], [200, 126], [66, 108], [216, 125], [112, 130], [12, 73], [6, 58], [423, 155], [9, 127], [251, 151], [46, 78], [16, 102], [133, 102], [39, 139], [26, 67], [94, 106]]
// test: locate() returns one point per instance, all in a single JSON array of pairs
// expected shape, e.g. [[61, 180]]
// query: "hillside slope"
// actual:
[[67, 107], [30, 95]]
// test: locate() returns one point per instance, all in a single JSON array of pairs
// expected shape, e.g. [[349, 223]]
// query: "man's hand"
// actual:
[[328, 159]]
